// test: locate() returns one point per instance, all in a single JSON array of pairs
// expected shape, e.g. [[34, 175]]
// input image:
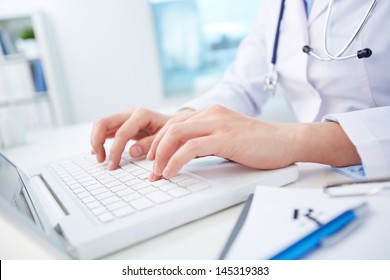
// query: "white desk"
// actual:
[[202, 239]]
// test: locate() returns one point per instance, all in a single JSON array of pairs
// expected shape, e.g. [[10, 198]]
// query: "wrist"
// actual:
[[325, 143]]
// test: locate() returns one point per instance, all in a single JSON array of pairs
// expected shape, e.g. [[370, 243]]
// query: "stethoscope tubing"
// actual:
[[277, 34], [338, 56], [271, 78]]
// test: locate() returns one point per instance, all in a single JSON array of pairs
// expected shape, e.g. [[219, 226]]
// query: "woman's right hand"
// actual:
[[138, 124]]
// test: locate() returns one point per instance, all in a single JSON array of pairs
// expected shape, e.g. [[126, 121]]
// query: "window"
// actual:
[[198, 39]]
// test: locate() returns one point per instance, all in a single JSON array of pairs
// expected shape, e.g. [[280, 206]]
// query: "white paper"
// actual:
[[280, 217]]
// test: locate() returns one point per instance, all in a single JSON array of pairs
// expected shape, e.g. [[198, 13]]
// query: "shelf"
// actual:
[[31, 81], [25, 100], [17, 57]]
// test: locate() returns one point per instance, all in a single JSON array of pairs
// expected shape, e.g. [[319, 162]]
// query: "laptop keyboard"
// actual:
[[110, 195]]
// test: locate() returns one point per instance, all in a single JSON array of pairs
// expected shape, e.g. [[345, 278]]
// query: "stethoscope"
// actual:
[[271, 79]]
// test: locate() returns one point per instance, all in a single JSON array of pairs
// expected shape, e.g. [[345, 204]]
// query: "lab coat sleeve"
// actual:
[[241, 88], [369, 132]]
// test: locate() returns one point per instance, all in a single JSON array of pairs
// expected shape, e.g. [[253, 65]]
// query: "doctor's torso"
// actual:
[[313, 87]]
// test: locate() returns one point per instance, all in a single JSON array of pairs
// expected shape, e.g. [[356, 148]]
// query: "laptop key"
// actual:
[[121, 174], [131, 197], [93, 204], [113, 184], [78, 190], [86, 179], [124, 192], [83, 194], [71, 182], [101, 175], [117, 171], [106, 217], [89, 183], [167, 187], [118, 188], [93, 187], [130, 167], [147, 190], [143, 176], [80, 175], [104, 195], [109, 200], [138, 171], [124, 211], [66, 177], [187, 182], [198, 186], [88, 199], [98, 191], [140, 185], [127, 178], [141, 203], [133, 182], [178, 192], [107, 180], [116, 205], [99, 210], [74, 186], [160, 182], [180, 177], [159, 197]]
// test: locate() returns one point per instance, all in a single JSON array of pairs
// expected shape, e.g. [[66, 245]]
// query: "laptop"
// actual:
[[87, 212]]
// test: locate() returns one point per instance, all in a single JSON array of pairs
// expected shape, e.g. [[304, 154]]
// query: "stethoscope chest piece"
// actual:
[[271, 80]]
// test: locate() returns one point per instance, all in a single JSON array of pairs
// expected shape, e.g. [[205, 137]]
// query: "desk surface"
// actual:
[[201, 239]]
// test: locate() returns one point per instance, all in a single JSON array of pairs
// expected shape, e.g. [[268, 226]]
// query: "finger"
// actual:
[[141, 147], [174, 138], [141, 118], [181, 118], [98, 138], [103, 129], [198, 147]]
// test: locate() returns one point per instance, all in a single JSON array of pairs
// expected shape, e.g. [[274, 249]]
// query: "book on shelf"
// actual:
[[16, 81], [7, 45], [39, 78], [3, 49], [3, 87]]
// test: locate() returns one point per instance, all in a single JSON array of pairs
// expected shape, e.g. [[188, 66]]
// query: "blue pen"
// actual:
[[341, 224]]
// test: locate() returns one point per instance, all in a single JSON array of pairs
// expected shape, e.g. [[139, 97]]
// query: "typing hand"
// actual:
[[220, 132], [134, 124]]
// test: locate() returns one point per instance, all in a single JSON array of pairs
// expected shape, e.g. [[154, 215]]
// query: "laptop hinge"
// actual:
[[47, 201]]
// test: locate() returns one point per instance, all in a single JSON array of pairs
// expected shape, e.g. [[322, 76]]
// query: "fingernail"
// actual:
[[166, 172], [110, 165], [156, 170], [149, 155], [153, 177], [99, 158], [136, 151]]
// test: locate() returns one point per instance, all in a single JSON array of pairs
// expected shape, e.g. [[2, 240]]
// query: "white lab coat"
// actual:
[[342, 91]]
